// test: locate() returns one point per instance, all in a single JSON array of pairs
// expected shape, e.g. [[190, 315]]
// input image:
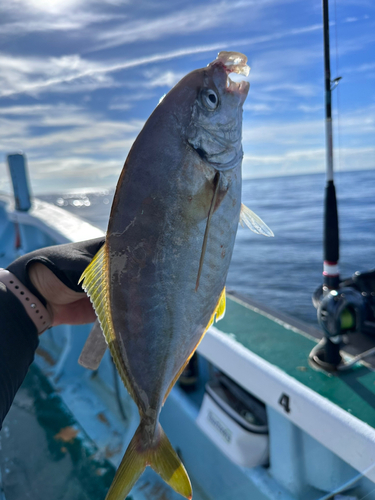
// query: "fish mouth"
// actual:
[[234, 62]]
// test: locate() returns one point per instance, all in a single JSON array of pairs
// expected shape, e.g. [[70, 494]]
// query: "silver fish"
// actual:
[[159, 280]]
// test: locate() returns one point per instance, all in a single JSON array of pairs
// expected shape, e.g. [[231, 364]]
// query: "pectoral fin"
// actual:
[[252, 221], [216, 184]]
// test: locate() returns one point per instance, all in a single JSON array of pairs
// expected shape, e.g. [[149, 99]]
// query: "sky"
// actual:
[[79, 78]]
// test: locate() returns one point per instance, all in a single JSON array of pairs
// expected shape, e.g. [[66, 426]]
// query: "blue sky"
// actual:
[[78, 78]]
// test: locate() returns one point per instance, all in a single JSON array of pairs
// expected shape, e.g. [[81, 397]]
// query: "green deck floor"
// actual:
[[44, 453], [353, 391]]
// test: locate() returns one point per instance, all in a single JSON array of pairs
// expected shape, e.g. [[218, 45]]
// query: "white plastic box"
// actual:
[[237, 427]]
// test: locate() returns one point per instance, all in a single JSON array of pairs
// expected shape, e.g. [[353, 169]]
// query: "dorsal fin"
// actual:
[[95, 283]]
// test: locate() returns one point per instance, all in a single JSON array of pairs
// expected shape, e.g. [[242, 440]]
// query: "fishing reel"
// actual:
[[345, 311]]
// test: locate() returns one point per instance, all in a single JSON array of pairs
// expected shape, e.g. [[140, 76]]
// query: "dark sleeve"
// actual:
[[18, 342], [18, 334]]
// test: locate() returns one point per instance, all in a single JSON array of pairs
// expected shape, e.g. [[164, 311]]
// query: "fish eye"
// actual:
[[210, 99]]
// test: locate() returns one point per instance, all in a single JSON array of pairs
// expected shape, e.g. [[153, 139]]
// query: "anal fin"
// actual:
[[94, 348], [216, 316]]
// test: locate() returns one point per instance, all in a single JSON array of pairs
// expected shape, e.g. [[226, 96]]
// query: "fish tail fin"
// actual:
[[166, 462], [160, 457], [130, 469]]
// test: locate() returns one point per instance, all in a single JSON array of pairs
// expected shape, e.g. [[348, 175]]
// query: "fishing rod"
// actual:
[[331, 244], [331, 222], [339, 309]]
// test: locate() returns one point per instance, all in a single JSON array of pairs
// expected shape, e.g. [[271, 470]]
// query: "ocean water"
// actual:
[[281, 272]]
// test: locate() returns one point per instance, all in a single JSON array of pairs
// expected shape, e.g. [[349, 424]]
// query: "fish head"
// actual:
[[215, 127]]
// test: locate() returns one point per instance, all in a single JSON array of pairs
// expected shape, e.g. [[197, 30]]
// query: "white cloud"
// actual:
[[280, 147], [162, 79], [307, 161], [190, 20], [75, 144], [55, 175], [355, 127], [25, 110], [34, 24], [132, 97], [362, 68], [73, 73], [310, 109], [55, 8], [51, 7], [305, 90], [283, 133], [33, 16], [258, 108], [32, 75]]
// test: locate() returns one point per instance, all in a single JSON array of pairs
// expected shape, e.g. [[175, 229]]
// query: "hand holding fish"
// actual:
[[52, 273], [66, 306]]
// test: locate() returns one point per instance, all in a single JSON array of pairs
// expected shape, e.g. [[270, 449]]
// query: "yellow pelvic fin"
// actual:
[[253, 221], [95, 284], [219, 312], [161, 457]]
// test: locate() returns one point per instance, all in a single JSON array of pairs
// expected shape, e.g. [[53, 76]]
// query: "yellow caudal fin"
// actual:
[[166, 462], [95, 284], [161, 457]]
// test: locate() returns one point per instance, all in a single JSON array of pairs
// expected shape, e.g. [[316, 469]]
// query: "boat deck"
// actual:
[[286, 343], [45, 453]]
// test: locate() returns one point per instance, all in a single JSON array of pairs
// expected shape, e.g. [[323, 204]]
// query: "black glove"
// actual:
[[18, 334], [67, 262]]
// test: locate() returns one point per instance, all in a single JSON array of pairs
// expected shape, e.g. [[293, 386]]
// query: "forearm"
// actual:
[[18, 342], [18, 332]]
